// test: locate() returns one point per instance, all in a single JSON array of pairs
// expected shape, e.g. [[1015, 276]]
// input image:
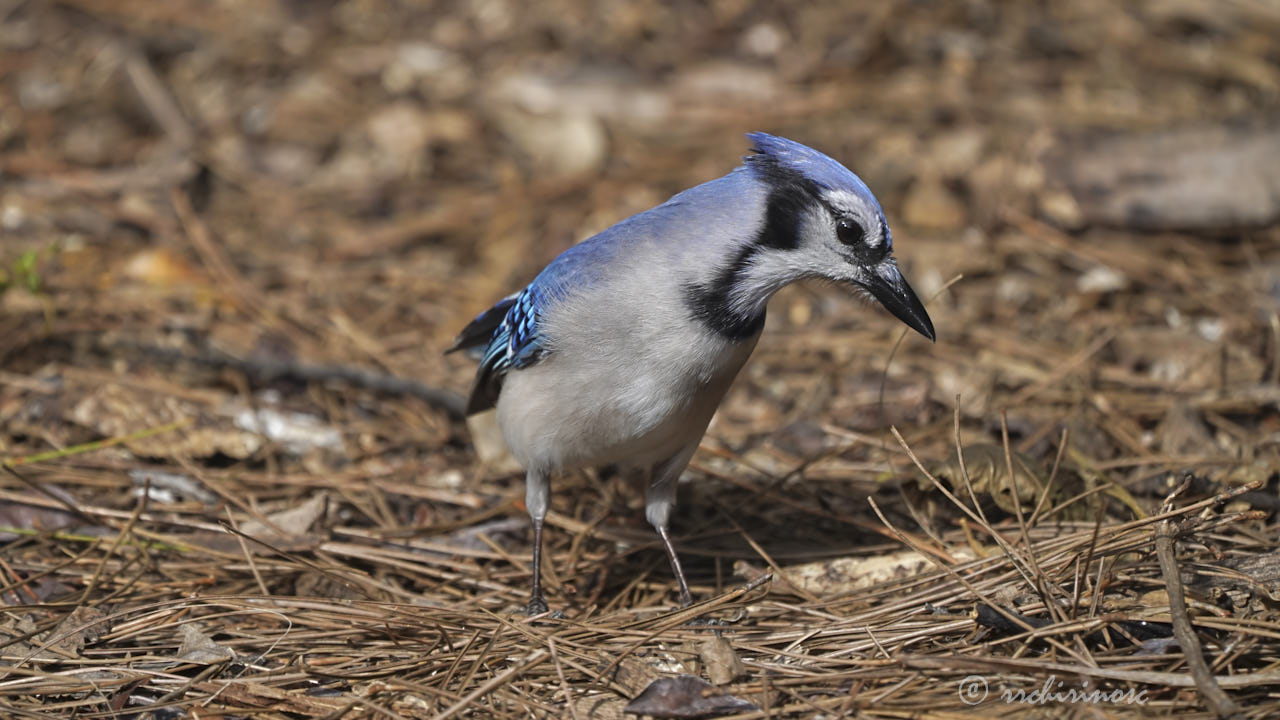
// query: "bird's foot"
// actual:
[[537, 606]]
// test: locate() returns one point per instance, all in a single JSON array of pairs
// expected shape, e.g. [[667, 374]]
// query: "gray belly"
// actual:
[[589, 409]]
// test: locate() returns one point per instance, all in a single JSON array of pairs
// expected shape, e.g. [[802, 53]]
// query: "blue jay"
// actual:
[[621, 349]]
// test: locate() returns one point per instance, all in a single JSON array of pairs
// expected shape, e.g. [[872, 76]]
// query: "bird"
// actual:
[[620, 350]]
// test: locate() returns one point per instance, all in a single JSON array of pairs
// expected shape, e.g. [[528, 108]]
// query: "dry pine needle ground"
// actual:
[[235, 483]]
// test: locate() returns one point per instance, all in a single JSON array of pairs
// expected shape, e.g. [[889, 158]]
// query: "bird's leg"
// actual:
[[537, 496], [660, 497], [537, 600], [686, 598]]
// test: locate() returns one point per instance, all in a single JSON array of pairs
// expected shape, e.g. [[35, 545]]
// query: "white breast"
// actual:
[[625, 381]]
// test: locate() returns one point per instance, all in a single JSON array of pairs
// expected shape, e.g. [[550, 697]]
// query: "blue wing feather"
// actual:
[[514, 343], [517, 340]]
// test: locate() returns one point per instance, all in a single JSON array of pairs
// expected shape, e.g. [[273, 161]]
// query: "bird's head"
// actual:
[[821, 221]]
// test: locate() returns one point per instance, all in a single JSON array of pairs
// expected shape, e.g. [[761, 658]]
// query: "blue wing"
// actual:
[[517, 344], [508, 336]]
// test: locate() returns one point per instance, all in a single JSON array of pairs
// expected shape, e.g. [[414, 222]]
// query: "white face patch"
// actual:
[[854, 207]]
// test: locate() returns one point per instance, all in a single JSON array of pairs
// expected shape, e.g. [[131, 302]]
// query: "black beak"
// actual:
[[888, 286]]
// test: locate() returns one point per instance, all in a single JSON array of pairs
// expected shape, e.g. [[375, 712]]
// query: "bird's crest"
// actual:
[[786, 161]]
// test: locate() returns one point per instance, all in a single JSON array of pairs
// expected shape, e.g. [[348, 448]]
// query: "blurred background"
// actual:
[[250, 217]]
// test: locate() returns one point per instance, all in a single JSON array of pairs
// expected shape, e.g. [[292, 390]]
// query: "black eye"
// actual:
[[850, 232]]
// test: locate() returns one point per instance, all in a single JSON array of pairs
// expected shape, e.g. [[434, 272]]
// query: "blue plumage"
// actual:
[[513, 341], [778, 155], [516, 343], [808, 163]]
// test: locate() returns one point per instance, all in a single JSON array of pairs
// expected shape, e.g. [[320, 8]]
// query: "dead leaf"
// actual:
[[988, 472], [296, 433], [840, 576], [200, 648], [159, 267], [685, 696], [32, 649], [721, 661], [84, 624], [294, 522]]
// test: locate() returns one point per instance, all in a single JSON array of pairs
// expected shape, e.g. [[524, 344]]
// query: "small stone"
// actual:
[[400, 130], [763, 40], [95, 141], [564, 144], [296, 40], [740, 82], [558, 132], [1102, 279], [39, 89], [957, 152], [425, 59], [304, 112], [1061, 209], [294, 163], [1211, 329], [800, 312], [13, 217]]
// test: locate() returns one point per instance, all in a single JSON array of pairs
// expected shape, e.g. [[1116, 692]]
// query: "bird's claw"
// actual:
[[537, 606]]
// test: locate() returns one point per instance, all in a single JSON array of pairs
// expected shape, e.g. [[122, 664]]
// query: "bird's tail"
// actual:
[[480, 331]]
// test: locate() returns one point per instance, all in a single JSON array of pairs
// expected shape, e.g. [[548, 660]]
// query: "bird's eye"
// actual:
[[850, 232]]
